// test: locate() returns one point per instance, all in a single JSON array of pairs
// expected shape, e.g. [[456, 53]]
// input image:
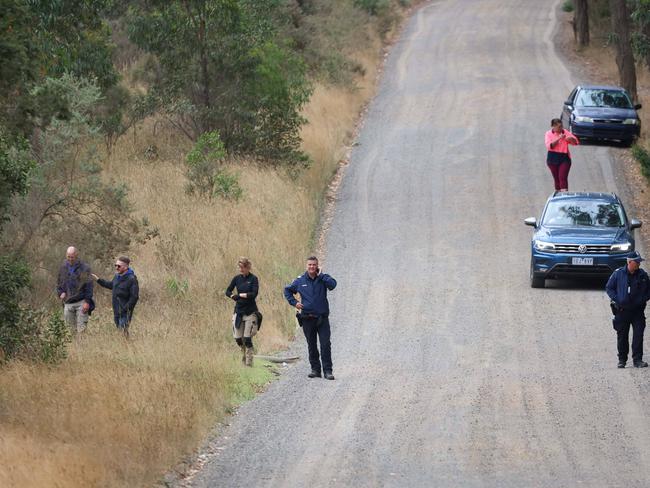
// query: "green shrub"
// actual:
[[567, 6], [226, 185], [204, 164], [642, 155], [177, 288], [27, 334], [373, 7]]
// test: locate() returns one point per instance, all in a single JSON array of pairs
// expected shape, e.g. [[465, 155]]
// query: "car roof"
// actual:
[[602, 87], [584, 195]]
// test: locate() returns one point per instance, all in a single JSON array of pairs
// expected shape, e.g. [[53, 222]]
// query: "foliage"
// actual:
[[373, 7], [177, 288], [204, 164], [220, 65], [15, 277], [642, 155], [640, 13], [567, 6], [69, 201], [226, 185], [15, 167]]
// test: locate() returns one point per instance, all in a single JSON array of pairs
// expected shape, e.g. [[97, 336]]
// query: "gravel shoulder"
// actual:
[[451, 371]]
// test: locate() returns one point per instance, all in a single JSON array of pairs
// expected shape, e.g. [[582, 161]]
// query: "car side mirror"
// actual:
[[638, 106], [532, 221], [568, 103], [635, 224]]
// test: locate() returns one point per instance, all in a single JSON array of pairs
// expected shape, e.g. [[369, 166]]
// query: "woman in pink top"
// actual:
[[558, 159]]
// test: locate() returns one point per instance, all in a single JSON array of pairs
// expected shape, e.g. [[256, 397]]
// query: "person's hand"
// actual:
[[95, 277], [299, 306], [62, 296], [563, 136], [85, 307], [234, 296], [243, 295]]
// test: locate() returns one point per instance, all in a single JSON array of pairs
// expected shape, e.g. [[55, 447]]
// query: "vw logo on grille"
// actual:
[[582, 248]]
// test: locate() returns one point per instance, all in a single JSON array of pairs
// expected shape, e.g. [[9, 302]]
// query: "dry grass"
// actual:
[[121, 414]]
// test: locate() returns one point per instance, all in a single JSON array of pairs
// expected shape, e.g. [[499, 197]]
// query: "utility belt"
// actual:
[[310, 316]]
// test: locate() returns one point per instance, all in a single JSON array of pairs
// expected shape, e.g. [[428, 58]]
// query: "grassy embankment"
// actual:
[[121, 414]]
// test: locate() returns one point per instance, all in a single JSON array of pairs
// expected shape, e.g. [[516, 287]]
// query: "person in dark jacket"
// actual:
[[126, 293], [245, 322], [75, 290], [313, 315], [629, 290]]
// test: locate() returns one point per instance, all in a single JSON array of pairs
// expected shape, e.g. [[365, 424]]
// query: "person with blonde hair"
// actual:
[[245, 320]]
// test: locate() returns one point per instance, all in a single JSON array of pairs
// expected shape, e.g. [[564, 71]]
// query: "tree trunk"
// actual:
[[624, 56], [581, 22], [646, 33]]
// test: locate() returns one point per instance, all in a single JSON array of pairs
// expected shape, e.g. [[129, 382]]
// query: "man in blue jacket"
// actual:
[[629, 290], [126, 293], [313, 314]]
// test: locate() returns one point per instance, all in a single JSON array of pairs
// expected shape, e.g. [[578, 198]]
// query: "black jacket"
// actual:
[[244, 284], [75, 282], [125, 292]]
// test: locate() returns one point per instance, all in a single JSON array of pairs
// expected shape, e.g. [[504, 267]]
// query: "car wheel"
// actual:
[[536, 281]]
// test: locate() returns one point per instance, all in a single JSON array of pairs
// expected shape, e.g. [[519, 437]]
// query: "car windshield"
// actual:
[[584, 213], [602, 98]]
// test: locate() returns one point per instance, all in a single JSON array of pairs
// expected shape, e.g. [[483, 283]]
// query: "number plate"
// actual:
[[583, 261]]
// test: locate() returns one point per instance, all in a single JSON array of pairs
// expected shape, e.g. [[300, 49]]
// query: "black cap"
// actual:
[[635, 256]]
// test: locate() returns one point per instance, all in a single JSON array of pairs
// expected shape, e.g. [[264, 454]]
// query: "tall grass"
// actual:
[[121, 413]]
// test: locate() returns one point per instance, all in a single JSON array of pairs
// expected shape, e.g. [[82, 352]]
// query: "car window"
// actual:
[[587, 213], [602, 98]]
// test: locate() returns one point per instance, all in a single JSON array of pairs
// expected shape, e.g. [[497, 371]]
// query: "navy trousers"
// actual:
[[313, 328], [622, 322]]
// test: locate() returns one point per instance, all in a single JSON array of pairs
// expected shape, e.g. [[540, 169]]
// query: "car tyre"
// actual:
[[536, 281]]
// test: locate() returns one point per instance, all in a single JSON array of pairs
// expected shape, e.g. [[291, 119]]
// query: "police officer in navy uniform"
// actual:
[[629, 290], [313, 314]]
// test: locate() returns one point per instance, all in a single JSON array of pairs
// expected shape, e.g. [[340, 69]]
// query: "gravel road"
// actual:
[[451, 371]]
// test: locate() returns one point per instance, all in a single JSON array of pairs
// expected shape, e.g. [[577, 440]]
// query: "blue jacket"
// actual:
[[126, 292], [313, 293], [629, 291]]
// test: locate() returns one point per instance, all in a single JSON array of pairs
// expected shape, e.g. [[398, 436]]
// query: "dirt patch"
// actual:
[[597, 64]]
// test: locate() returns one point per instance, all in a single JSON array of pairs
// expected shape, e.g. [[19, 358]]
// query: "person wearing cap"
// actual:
[[629, 290], [246, 317], [126, 293]]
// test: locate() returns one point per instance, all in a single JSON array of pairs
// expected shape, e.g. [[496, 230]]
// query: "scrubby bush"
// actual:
[[642, 155], [567, 6]]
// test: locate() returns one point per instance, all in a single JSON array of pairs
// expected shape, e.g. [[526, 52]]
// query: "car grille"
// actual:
[[559, 269], [608, 121], [583, 249]]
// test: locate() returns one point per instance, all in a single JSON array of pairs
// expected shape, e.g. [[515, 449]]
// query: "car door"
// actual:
[[568, 107]]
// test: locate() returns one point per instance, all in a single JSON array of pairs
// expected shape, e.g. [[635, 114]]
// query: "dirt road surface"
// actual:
[[451, 371]]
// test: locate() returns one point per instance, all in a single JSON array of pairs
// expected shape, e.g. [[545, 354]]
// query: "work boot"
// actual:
[[314, 374], [249, 356], [640, 364], [243, 354], [329, 375], [621, 364]]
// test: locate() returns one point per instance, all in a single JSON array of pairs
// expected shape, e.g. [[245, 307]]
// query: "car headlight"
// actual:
[[580, 118], [544, 246], [631, 121], [621, 247]]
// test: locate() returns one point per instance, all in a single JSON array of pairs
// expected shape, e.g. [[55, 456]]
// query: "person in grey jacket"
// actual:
[[126, 293], [313, 314]]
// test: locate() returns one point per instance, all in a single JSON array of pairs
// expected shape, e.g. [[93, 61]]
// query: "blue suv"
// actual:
[[580, 235]]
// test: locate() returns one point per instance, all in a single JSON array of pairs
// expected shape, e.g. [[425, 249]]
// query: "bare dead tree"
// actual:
[[621, 30]]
